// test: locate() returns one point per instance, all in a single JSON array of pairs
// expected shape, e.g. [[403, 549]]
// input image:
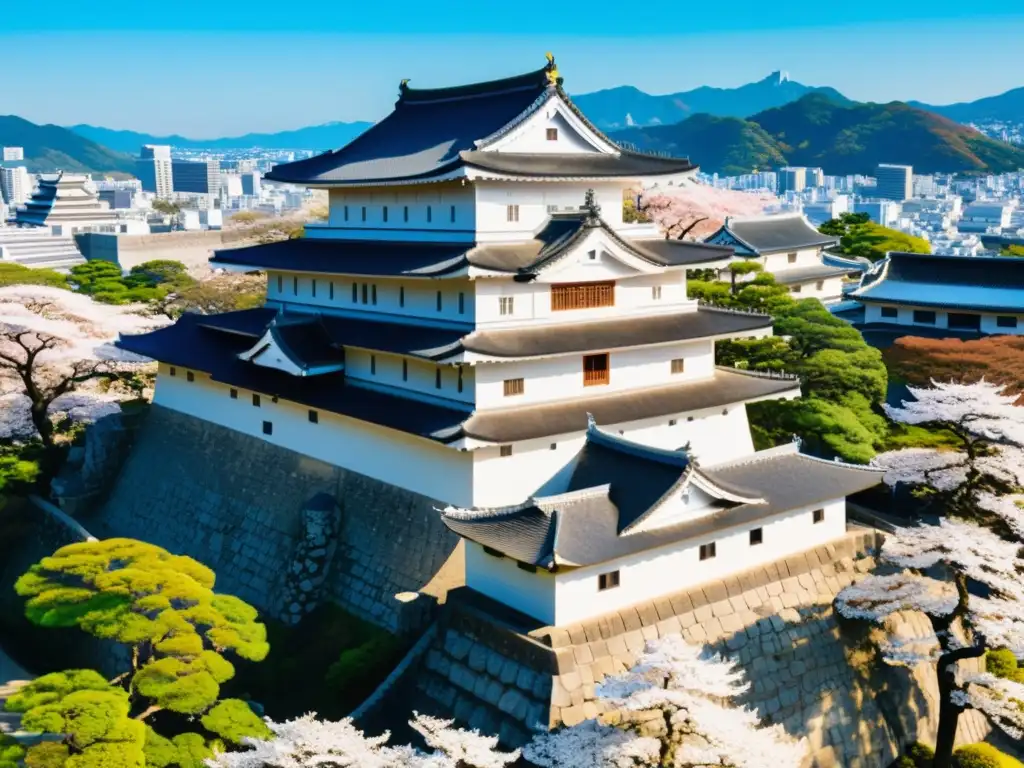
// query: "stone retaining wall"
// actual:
[[235, 503], [821, 681]]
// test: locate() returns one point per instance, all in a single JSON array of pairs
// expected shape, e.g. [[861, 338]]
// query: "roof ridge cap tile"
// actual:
[[594, 491]]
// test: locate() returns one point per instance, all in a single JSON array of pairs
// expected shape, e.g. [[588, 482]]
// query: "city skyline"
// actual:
[[104, 72]]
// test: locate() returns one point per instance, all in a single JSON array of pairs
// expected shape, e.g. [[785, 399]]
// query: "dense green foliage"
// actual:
[[1013, 250], [820, 131], [843, 379], [859, 236], [166, 206], [983, 756], [50, 146], [726, 145], [147, 282], [180, 633], [11, 752], [1002, 663], [17, 274], [340, 659], [917, 755]]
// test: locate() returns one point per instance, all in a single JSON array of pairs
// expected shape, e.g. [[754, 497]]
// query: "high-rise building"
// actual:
[[791, 180], [154, 170], [196, 176], [251, 184], [814, 177], [13, 154], [895, 182], [15, 185]]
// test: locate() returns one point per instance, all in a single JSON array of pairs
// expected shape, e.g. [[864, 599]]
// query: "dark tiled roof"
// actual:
[[363, 333], [725, 388], [437, 343], [422, 137], [612, 334], [350, 257], [805, 274], [190, 345], [982, 283], [777, 233], [434, 131], [306, 342], [625, 164], [199, 343], [585, 527], [414, 259]]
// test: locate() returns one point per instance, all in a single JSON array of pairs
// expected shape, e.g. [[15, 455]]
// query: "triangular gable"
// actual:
[[272, 351], [697, 496], [724, 237], [527, 133]]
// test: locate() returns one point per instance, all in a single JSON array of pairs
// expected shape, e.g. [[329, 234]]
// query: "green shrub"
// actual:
[[1002, 663], [921, 755], [983, 756], [10, 752]]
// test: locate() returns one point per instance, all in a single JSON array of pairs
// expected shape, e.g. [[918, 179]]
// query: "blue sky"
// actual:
[[206, 69]]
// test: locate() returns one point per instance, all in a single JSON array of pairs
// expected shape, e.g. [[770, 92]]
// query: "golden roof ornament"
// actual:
[[403, 87], [552, 70]]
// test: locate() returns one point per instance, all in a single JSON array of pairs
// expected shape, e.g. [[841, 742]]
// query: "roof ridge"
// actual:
[[532, 79], [757, 456], [571, 496], [599, 436], [488, 513]]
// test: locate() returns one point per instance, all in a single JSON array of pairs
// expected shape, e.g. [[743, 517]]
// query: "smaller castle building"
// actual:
[[792, 250]]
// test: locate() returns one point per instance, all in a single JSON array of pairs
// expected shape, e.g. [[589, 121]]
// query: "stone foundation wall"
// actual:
[[822, 681], [235, 503]]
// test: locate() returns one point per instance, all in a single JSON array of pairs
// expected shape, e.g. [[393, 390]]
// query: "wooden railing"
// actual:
[[582, 295], [596, 370]]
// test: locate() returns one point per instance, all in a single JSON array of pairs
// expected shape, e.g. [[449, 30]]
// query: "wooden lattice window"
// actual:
[[514, 387], [679, 365], [582, 295], [595, 370]]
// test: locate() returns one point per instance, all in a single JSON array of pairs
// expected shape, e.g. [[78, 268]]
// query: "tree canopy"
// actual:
[[859, 236], [182, 637], [843, 379], [147, 282], [1012, 250]]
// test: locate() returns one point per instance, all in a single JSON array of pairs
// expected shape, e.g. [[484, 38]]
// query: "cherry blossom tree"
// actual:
[[55, 346], [687, 691], [990, 429], [694, 210], [307, 741], [944, 567]]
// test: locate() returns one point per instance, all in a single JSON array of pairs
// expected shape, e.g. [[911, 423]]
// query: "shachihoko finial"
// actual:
[[552, 70], [403, 87]]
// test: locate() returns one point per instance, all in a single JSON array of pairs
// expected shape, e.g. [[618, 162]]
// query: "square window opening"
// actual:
[[608, 580], [756, 537], [707, 551], [819, 516], [505, 450], [268, 428], [314, 417]]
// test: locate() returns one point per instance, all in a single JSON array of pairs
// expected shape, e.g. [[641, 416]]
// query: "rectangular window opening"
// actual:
[[791, 258], [453, 214], [173, 371], [312, 286], [401, 295], [552, 134], [565, 296], [314, 417], [355, 293], [439, 303], [405, 214], [189, 376], [373, 365], [554, 446], [679, 365], [268, 428], [460, 379], [505, 450], [462, 303], [295, 286], [890, 312], [437, 378], [819, 516], [384, 213], [346, 213], [608, 580], [373, 294], [655, 292], [366, 289], [405, 370], [514, 387], [256, 400], [506, 305], [280, 284], [756, 537], [512, 213], [707, 551], [1006, 321], [364, 213], [924, 316], [233, 394], [430, 214], [330, 290], [595, 370]]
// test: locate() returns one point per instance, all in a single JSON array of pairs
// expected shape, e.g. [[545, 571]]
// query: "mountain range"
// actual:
[[841, 138], [49, 147], [764, 124], [626, 106], [322, 137]]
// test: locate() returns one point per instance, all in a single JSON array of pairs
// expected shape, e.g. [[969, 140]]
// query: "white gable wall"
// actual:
[[534, 199], [501, 579], [413, 298], [714, 437], [417, 464], [779, 262], [905, 316], [677, 567], [561, 378]]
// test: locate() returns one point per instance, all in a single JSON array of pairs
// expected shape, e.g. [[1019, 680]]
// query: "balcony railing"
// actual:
[[582, 295]]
